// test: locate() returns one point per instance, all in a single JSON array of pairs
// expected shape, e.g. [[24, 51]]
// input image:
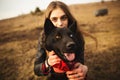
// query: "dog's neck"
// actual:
[[63, 67]]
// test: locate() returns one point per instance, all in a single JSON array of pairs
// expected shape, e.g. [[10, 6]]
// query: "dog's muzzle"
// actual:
[[70, 51], [70, 46]]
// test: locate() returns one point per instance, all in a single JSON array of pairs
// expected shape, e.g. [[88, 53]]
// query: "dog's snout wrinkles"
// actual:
[[70, 45]]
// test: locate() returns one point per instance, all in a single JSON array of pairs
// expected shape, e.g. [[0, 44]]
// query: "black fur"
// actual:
[[61, 40]]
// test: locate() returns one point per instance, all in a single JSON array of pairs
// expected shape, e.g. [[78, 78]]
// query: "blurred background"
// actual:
[[22, 21]]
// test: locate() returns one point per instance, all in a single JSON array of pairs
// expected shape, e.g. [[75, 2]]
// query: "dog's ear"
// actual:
[[73, 27], [48, 26]]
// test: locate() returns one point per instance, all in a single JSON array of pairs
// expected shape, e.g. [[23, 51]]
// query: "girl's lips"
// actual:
[[70, 56]]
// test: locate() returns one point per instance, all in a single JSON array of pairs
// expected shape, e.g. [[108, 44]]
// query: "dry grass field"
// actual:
[[19, 39]]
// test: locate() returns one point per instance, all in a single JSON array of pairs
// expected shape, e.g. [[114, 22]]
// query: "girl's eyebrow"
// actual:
[[64, 15]]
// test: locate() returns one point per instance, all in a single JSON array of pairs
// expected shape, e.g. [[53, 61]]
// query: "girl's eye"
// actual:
[[54, 19], [64, 17]]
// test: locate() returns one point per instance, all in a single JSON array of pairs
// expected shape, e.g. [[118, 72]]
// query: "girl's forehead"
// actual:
[[58, 12]]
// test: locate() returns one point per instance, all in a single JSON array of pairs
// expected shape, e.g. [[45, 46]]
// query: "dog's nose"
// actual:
[[70, 45]]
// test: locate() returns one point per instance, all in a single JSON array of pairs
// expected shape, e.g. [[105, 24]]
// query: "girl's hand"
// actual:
[[53, 58], [79, 73]]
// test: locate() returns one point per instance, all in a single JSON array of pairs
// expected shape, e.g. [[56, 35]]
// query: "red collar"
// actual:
[[63, 67]]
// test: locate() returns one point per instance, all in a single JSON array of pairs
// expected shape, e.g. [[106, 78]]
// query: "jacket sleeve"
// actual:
[[40, 68]]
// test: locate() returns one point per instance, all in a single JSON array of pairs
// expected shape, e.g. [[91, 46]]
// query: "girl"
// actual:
[[60, 16]]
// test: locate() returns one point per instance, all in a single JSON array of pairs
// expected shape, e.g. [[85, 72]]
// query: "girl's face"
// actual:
[[59, 18]]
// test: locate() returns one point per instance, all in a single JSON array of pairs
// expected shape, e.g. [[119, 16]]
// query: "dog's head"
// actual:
[[61, 40]]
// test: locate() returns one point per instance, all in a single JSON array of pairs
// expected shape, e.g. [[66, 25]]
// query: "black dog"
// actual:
[[65, 44]]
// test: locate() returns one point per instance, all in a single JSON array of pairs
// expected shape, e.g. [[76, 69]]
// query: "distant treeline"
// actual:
[[102, 1], [37, 11]]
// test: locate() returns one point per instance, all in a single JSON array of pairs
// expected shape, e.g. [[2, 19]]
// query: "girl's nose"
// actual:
[[60, 23]]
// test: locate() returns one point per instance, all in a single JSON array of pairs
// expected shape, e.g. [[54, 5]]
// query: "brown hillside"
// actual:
[[19, 36]]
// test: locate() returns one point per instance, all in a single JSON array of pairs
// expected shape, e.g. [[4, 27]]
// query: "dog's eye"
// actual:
[[71, 35], [58, 37]]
